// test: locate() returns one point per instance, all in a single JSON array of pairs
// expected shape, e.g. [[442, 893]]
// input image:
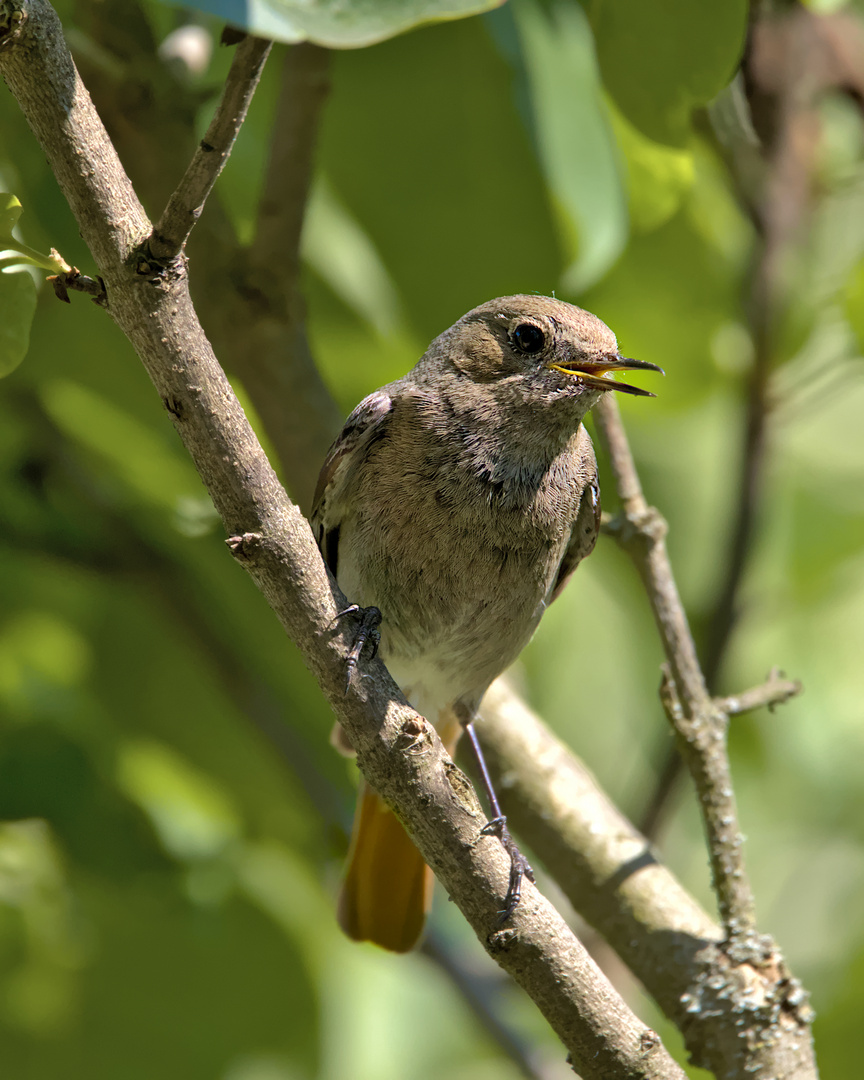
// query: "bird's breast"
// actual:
[[460, 560]]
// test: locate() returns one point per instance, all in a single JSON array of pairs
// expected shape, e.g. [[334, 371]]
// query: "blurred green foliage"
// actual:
[[166, 876]]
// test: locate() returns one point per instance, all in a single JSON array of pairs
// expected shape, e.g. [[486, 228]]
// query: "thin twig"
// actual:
[[699, 724], [260, 324], [774, 691], [187, 201], [794, 57]]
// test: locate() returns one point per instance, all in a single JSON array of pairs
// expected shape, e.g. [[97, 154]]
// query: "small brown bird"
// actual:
[[457, 501]]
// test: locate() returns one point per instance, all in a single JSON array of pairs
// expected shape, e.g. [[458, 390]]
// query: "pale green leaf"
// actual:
[[10, 211], [17, 308], [338, 24], [575, 142], [341, 251]]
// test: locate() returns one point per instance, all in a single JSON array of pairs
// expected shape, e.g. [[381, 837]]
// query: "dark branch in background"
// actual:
[[791, 62], [398, 752], [262, 326], [481, 994], [187, 201]]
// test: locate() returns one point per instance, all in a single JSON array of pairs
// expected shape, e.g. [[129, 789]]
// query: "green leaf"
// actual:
[[153, 470], [853, 303], [574, 139], [17, 308], [341, 251], [10, 211], [658, 177], [338, 24], [661, 61]]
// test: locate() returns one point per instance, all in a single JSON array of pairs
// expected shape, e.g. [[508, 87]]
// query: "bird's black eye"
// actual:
[[528, 338]]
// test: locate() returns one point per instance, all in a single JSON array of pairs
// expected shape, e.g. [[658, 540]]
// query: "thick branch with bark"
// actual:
[[397, 750], [612, 877]]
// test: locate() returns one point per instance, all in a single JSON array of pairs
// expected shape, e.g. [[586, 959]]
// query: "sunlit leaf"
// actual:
[[137, 454], [658, 176], [574, 138], [338, 24], [853, 305], [10, 211], [661, 61], [192, 815]]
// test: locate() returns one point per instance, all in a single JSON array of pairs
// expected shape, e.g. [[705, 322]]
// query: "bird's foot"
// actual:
[[369, 621], [519, 866]]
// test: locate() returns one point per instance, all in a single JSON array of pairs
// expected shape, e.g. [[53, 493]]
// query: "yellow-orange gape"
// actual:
[[452, 509]]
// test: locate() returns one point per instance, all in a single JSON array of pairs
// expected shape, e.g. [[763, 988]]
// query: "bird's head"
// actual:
[[545, 349]]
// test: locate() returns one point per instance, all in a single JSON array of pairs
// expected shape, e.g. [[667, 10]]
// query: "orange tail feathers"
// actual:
[[387, 890]]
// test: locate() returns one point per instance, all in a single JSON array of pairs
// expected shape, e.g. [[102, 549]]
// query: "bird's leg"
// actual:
[[519, 866], [369, 619]]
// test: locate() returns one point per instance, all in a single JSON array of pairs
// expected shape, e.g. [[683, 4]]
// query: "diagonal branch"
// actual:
[[700, 724], [398, 752], [794, 57], [260, 323], [696, 719], [612, 877], [187, 201]]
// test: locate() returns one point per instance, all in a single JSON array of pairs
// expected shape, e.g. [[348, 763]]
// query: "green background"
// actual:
[[167, 877]]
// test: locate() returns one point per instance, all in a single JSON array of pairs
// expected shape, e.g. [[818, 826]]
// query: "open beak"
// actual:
[[597, 373]]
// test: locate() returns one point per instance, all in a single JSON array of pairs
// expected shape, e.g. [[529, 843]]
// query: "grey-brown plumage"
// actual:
[[458, 500]]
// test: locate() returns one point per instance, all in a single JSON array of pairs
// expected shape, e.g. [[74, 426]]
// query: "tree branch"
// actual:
[[397, 750], [697, 721], [262, 327], [774, 691], [187, 201], [794, 57], [700, 725], [612, 877], [249, 298]]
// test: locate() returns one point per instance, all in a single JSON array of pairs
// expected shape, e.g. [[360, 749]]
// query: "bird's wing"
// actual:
[[583, 535], [363, 427]]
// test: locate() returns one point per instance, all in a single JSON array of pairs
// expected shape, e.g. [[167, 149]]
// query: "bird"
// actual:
[[452, 509]]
